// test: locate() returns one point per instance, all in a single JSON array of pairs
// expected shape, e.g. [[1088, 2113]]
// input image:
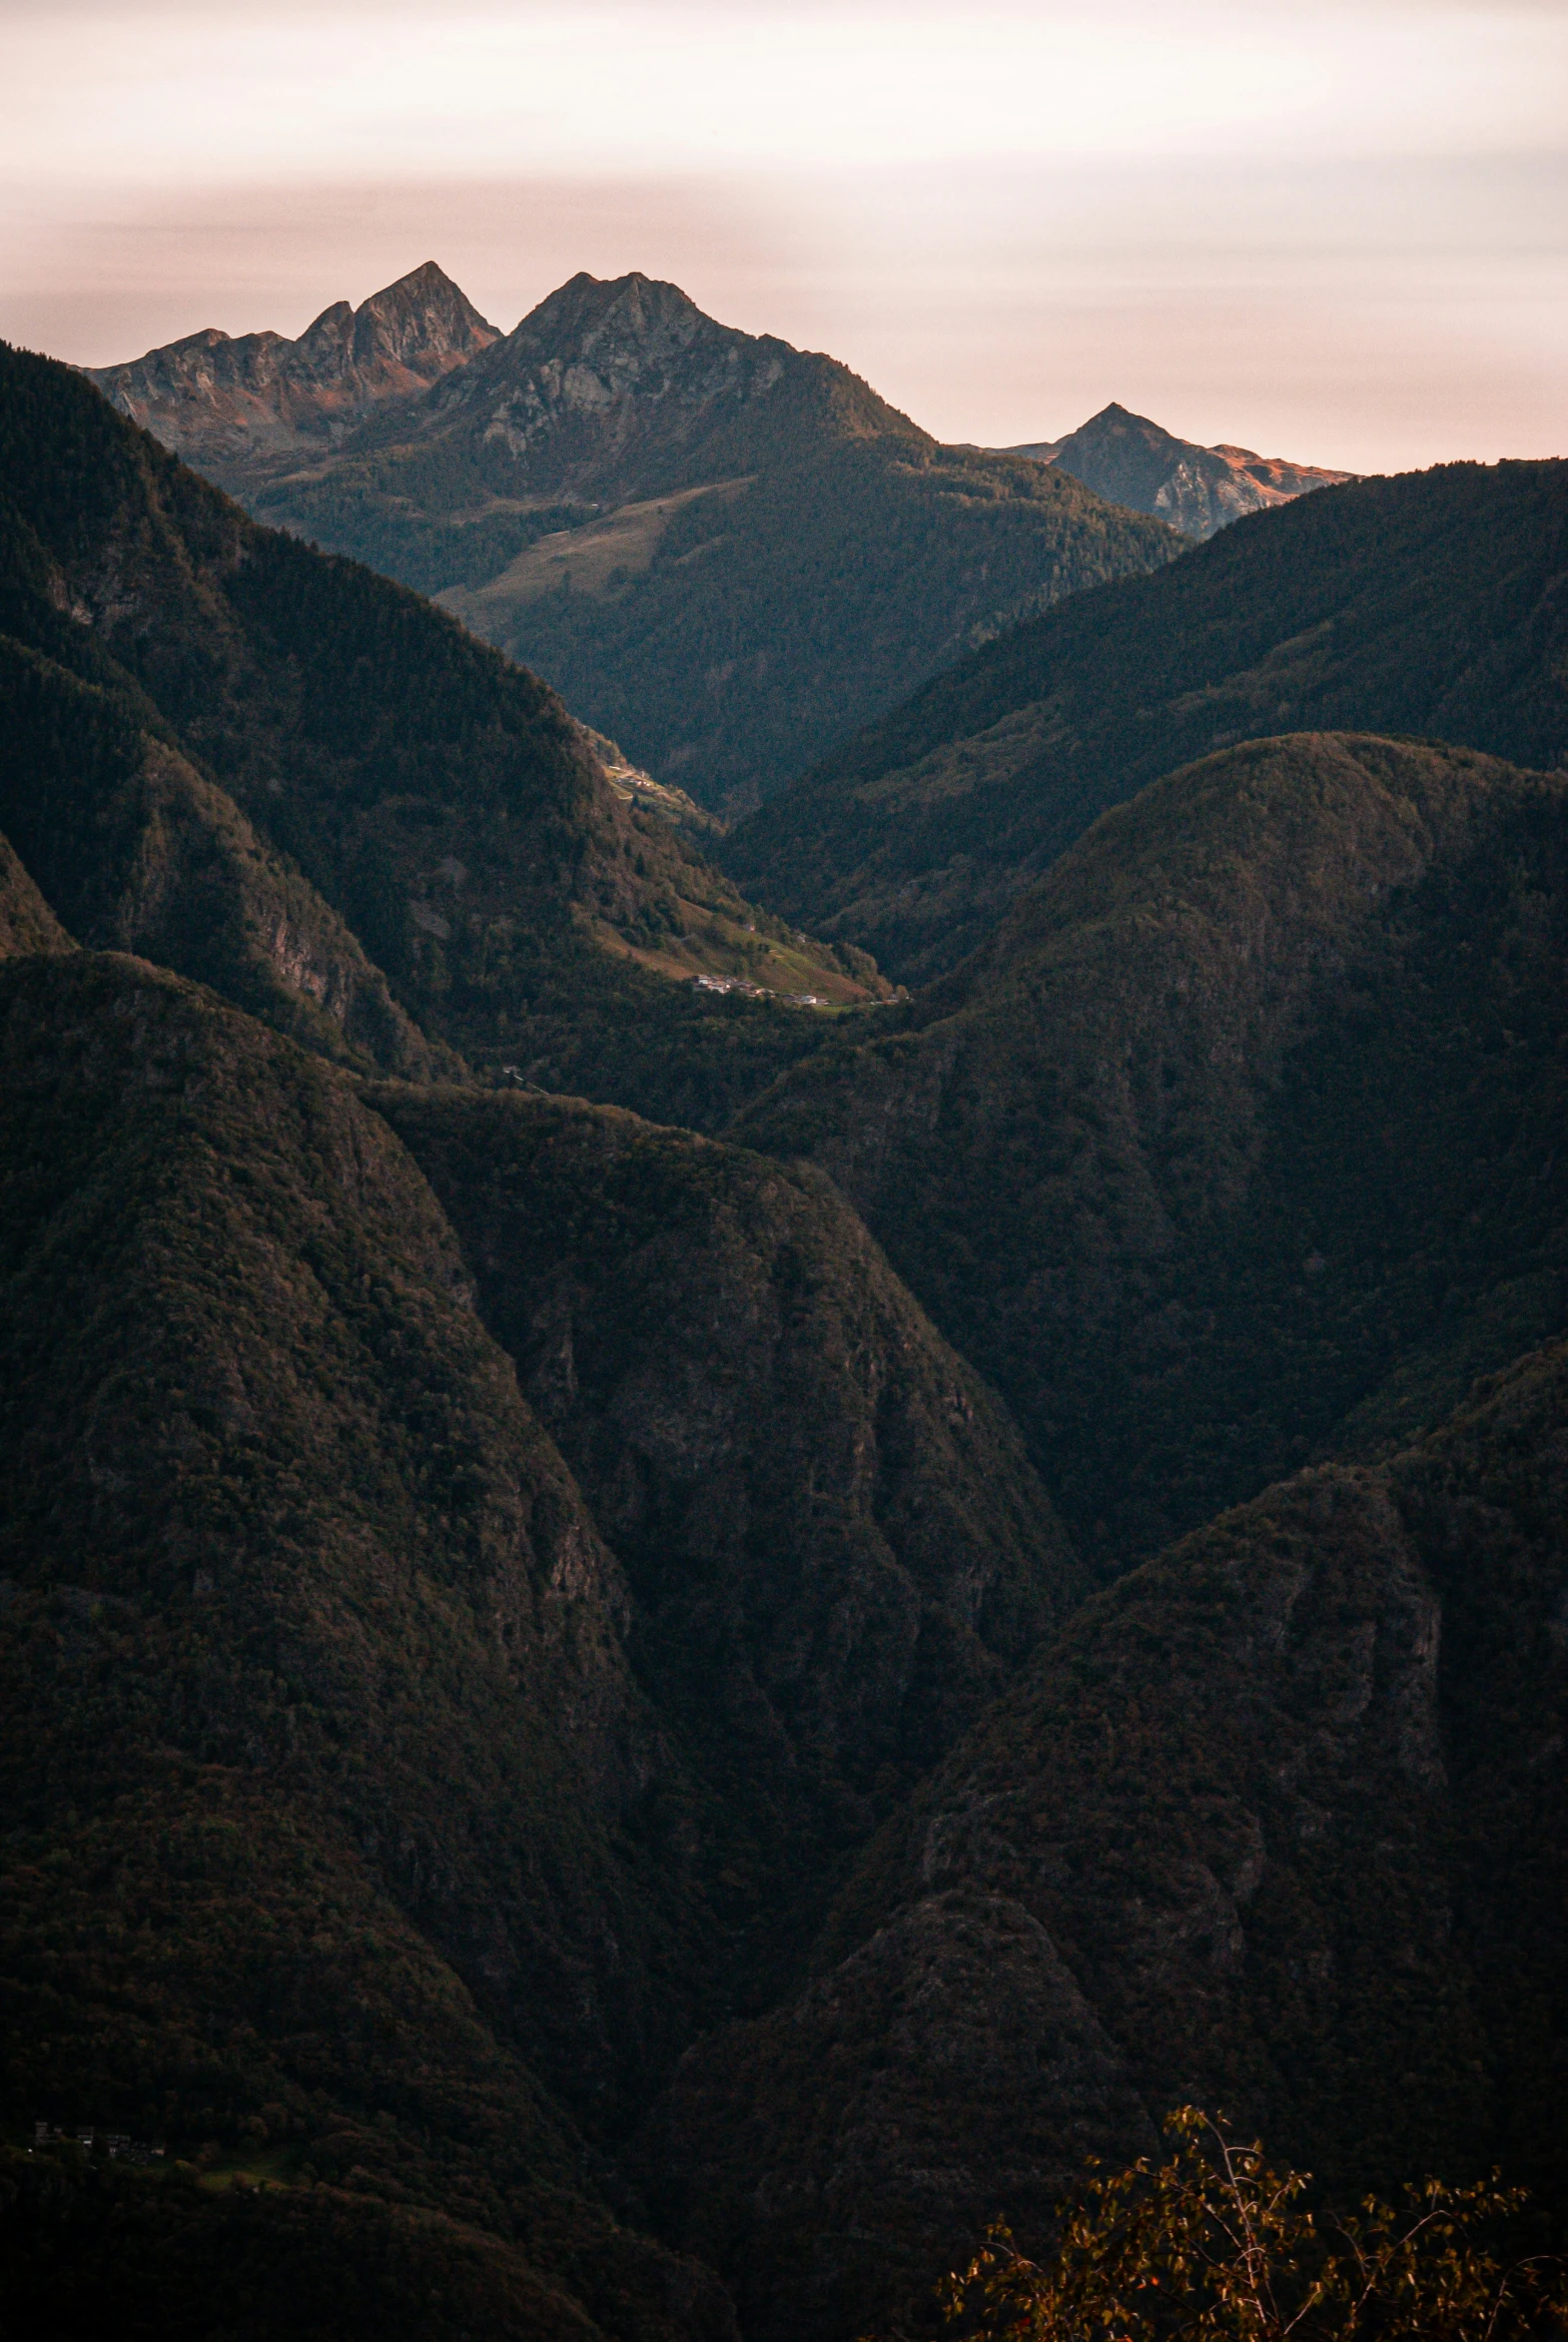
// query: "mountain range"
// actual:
[[725, 552], [662, 1647], [1196, 489]]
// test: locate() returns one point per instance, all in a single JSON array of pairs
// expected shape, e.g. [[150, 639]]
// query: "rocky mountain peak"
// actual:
[[1196, 489], [624, 384], [219, 399], [425, 317]]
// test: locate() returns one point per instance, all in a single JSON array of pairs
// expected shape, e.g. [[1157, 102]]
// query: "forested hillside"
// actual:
[[373, 1830], [618, 1726], [1435, 604], [1239, 1140], [838, 1548], [320, 1739], [294, 781], [1279, 1825]]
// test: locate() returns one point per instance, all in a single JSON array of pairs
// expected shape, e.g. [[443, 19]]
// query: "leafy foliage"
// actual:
[[1213, 2243]]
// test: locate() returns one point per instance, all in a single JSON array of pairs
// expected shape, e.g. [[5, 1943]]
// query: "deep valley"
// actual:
[[784, 1311]]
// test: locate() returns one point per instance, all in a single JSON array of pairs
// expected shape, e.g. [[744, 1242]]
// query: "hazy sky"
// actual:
[[1332, 231]]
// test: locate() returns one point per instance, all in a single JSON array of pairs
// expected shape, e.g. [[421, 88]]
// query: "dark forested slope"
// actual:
[[837, 1547], [26, 922], [276, 747], [1243, 1135], [328, 1829], [1435, 604], [1280, 1824], [726, 552], [389, 1799], [138, 852]]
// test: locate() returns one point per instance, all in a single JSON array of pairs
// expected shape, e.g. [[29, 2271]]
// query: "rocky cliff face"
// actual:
[[1278, 1826], [609, 389], [217, 399], [1196, 489]]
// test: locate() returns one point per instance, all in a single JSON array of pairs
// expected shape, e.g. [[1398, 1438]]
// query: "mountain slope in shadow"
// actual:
[[1278, 1826], [308, 787], [1239, 1138], [1431, 604]]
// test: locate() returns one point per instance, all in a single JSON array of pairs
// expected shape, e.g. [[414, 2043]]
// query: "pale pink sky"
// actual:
[[1331, 229]]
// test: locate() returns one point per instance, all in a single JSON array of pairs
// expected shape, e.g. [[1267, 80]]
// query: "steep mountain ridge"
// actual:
[[1276, 1825], [1243, 1121], [138, 853], [1433, 604], [217, 399], [438, 802], [27, 924], [724, 551], [542, 1701], [838, 1548], [1196, 489], [610, 388]]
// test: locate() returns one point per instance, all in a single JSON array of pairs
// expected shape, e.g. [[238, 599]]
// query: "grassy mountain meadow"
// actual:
[[726, 553], [662, 1647], [1430, 605]]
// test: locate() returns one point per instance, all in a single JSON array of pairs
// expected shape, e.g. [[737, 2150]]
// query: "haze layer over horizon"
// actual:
[[1328, 232]]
